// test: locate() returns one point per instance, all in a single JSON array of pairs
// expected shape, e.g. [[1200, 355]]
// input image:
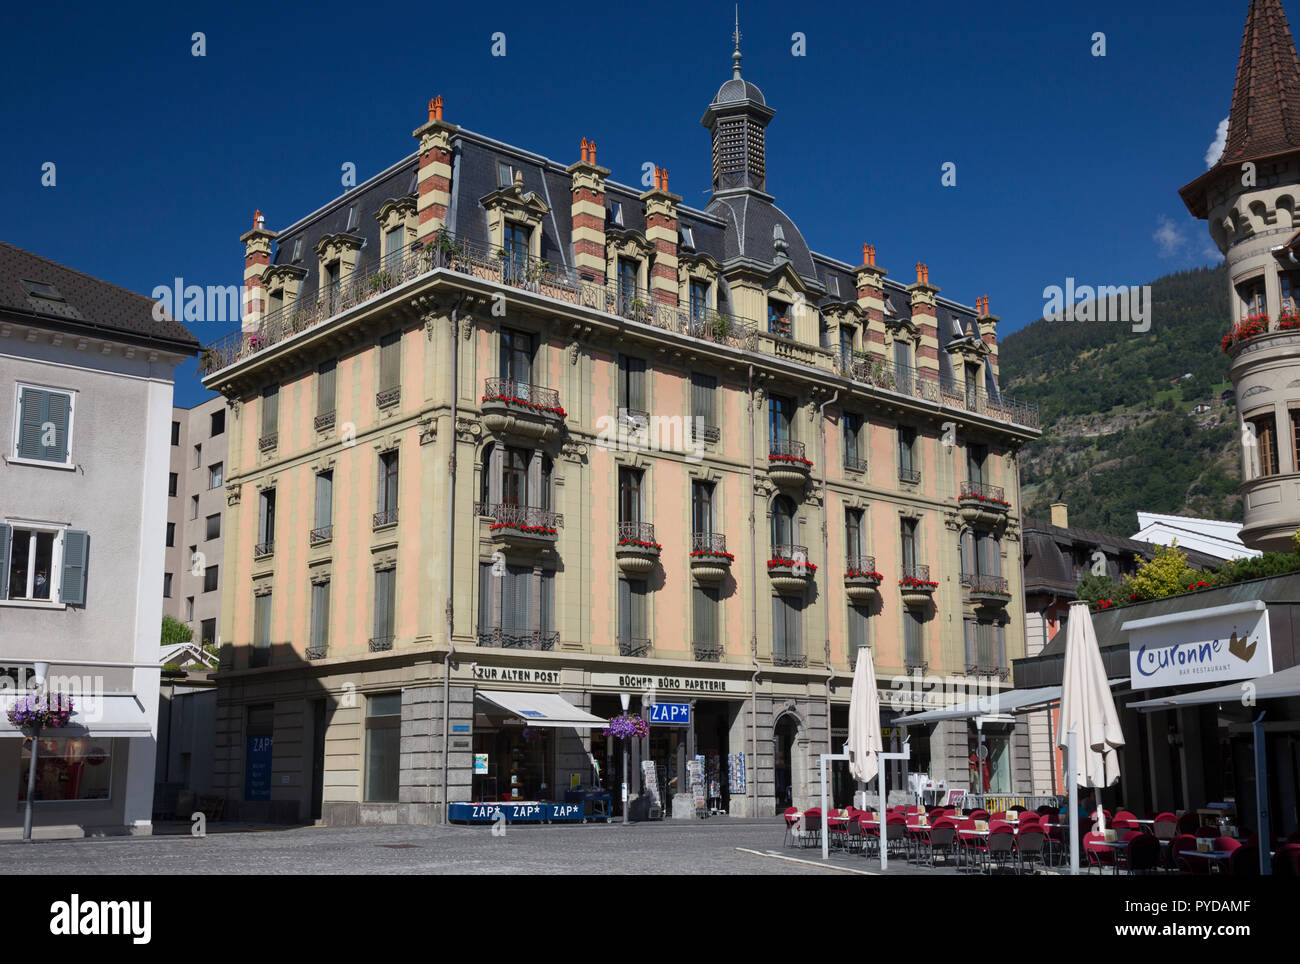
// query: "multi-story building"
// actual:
[[509, 436], [85, 403], [196, 508], [1248, 198]]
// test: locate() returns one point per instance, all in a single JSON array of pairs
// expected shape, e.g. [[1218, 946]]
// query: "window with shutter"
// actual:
[[324, 499], [704, 400], [390, 361], [858, 628], [270, 410], [76, 552], [385, 603], [320, 614], [968, 557], [548, 602], [705, 616], [486, 580], [44, 425], [6, 544], [326, 386], [631, 384]]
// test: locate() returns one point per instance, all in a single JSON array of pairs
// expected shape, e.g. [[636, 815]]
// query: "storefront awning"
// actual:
[[1275, 686], [542, 709], [1002, 703], [107, 715]]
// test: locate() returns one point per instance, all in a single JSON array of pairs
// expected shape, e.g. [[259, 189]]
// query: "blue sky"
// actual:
[[1067, 164]]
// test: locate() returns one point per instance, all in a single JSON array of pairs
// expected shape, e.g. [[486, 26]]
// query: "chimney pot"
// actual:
[[1060, 515], [593, 152]]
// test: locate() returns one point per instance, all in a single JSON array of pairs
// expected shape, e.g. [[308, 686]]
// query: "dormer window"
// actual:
[[688, 237], [778, 318], [505, 176], [616, 213], [833, 284], [297, 250], [352, 218]]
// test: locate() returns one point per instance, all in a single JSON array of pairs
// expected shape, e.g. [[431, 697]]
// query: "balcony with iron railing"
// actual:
[[637, 646], [539, 640], [989, 591], [710, 560], [982, 505], [324, 421], [520, 526], [636, 551], [861, 580], [446, 251], [320, 535], [916, 585], [707, 652], [384, 518], [787, 658], [381, 644], [513, 407], [317, 652], [788, 465], [263, 549], [789, 568]]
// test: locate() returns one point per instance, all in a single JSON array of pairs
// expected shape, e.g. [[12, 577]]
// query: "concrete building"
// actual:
[[85, 409], [1248, 199], [196, 507], [1211, 537], [510, 439]]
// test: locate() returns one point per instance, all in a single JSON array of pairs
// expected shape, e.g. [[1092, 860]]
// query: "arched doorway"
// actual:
[[784, 740]]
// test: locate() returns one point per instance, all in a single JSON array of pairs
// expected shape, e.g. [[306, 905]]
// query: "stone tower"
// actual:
[[1249, 197]]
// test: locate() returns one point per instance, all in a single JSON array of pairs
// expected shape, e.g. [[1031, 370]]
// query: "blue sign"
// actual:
[[516, 812], [257, 768], [673, 714]]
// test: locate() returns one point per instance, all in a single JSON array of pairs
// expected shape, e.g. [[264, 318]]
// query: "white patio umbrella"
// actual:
[[1088, 711], [865, 743]]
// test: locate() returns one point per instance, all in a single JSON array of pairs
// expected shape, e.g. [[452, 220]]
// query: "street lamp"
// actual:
[[626, 700], [42, 670]]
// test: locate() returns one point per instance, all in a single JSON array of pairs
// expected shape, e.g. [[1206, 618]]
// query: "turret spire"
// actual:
[[735, 57]]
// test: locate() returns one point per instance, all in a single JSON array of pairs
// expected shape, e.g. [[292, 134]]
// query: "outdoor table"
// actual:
[[1115, 845], [1214, 855]]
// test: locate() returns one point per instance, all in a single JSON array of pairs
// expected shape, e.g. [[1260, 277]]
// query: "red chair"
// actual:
[[1124, 823], [997, 825], [1165, 826], [1098, 855], [1226, 844], [1030, 842], [791, 822], [1000, 815], [1028, 817], [812, 827], [1188, 823], [1244, 861], [1125, 815], [1194, 866], [1286, 862], [969, 845], [978, 814], [1205, 830], [1143, 854]]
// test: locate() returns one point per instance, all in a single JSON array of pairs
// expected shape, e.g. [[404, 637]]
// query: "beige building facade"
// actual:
[[502, 429]]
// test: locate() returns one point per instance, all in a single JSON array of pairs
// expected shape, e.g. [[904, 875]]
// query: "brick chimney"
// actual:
[[1060, 515], [871, 299], [661, 231], [988, 326], [434, 176], [257, 258], [924, 317], [588, 214]]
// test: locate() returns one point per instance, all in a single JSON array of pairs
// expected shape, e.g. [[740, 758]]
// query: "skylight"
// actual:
[[39, 289]]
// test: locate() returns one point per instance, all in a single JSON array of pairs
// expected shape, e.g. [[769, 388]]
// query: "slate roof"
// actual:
[[734, 225], [83, 304], [1265, 116]]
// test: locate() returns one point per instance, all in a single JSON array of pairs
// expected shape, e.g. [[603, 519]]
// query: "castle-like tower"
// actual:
[[1249, 197]]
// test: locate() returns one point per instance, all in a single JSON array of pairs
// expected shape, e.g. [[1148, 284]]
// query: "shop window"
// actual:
[[68, 769], [383, 741]]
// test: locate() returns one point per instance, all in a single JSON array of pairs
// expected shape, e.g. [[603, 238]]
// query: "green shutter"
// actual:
[[6, 541], [39, 408], [57, 411], [76, 545]]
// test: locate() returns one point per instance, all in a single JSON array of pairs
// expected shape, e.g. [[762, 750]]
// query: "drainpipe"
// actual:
[[830, 671], [752, 769], [450, 549]]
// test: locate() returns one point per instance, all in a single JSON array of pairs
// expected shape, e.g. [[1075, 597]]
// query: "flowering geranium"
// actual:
[[535, 406], [1251, 327], [792, 459], [41, 710], [1105, 603], [712, 554], [627, 726], [864, 574], [1199, 584], [1288, 320], [779, 562], [531, 530], [911, 582], [986, 498], [640, 544]]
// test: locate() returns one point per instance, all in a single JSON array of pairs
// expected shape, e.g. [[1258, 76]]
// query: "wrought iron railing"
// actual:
[[789, 659], [708, 542], [317, 652], [855, 464], [385, 517], [324, 421], [708, 652], [787, 550], [991, 585], [507, 515], [918, 573], [787, 447], [909, 475], [268, 442], [514, 639], [636, 532], [388, 396], [320, 534], [264, 548], [544, 398], [447, 251], [987, 669], [980, 490], [633, 646], [703, 431], [381, 644], [859, 564]]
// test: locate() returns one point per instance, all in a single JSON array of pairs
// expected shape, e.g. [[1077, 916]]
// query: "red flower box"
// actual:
[[792, 459], [535, 406], [711, 554], [776, 563], [913, 583], [640, 544], [531, 530]]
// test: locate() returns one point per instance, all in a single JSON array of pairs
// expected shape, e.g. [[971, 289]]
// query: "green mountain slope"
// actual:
[[1120, 430]]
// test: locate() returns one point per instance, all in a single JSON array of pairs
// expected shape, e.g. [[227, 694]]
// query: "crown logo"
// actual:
[[1238, 647]]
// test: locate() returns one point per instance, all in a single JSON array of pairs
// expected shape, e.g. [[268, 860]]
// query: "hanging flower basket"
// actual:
[[627, 726], [48, 711]]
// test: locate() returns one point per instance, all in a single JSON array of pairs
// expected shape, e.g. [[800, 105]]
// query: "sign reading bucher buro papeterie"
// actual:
[[639, 682], [1210, 645]]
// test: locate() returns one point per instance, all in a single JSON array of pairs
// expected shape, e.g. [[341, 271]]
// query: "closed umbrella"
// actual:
[[1088, 710], [865, 743]]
